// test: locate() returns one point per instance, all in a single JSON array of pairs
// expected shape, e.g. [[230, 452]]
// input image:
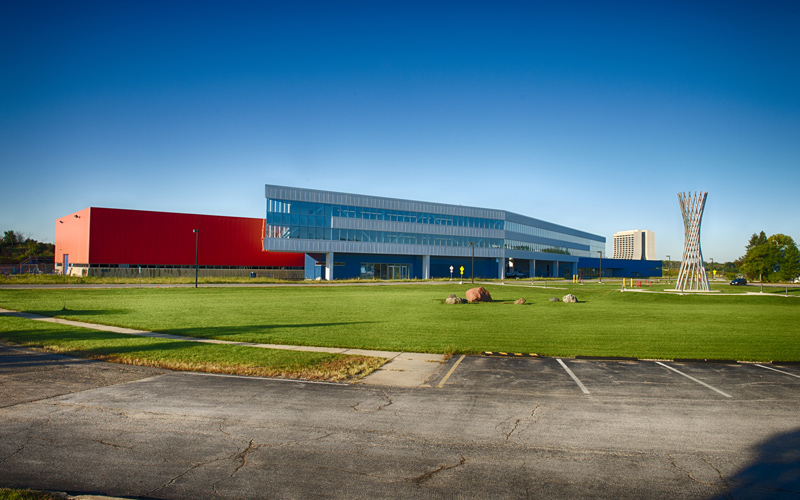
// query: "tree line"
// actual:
[[16, 247], [770, 259]]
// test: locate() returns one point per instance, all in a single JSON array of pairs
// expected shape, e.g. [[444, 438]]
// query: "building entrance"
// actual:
[[398, 272], [384, 271]]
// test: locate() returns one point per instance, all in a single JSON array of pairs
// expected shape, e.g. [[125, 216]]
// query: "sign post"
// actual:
[[462, 276], [451, 273]]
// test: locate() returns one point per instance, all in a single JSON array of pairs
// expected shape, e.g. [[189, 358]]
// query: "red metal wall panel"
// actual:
[[72, 237], [159, 238]]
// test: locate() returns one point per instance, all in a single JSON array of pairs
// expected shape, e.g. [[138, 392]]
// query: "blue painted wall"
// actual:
[[484, 268], [622, 268]]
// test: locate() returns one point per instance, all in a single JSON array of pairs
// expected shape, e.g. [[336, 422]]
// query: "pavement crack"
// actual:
[[17, 451], [725, 485], [113, 444], [378, 406], [690, 476], [423, 478], [519, 420], [389, 401], [190, 469]]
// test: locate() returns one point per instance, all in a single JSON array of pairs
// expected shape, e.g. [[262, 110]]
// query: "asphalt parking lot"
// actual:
[[480, 427], [640, 379]]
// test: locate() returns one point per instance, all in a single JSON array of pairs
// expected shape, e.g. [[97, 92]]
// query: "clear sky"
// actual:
[[591, 114]]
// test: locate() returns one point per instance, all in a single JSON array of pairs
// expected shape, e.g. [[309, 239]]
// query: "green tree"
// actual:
[[771, 259], [790, 268], [10, 238]]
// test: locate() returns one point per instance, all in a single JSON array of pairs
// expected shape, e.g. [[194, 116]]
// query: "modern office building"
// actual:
[[637, 244], [357, 236], [129, 243]]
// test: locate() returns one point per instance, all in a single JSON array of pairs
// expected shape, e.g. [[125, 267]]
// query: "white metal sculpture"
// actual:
[[692, 275]]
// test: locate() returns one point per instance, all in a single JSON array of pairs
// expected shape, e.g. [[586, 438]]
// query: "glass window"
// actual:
[[303, 219]]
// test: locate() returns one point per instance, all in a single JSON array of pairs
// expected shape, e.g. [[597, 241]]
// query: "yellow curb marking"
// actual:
[[451, 371]]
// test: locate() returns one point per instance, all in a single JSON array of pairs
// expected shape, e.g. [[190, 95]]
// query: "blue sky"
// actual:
[[593, 115]]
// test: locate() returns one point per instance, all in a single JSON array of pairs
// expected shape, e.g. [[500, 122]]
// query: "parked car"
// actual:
[[739, 281], [516, 274]]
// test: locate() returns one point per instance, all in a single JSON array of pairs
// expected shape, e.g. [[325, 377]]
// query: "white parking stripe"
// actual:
[[583, 387], [692, 378], [779, 371]]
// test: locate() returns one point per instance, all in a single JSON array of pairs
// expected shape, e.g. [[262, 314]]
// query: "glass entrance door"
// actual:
[[398, 272]]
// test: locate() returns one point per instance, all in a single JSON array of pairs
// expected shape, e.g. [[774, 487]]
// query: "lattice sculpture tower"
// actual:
[[692, 275]]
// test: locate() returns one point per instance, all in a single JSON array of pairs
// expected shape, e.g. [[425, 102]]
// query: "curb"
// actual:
[[607, 358], [497, 354], [718, 361], [509, 354]]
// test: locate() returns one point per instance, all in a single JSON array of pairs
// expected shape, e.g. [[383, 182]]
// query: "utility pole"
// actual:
[[196, 247]]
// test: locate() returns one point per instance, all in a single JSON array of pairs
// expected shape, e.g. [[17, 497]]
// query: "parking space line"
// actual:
[[692, 378], [779, 371], [577, 381], [451, 371]]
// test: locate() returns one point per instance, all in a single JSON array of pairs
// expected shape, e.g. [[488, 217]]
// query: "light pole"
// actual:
[[600, 256], [669, 269], [196, 246], [472, 272]]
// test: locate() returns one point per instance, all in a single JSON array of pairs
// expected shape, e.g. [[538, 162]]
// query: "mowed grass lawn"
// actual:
[[414, 318]]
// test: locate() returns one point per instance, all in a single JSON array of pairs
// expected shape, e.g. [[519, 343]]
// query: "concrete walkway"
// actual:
[[403, 369]]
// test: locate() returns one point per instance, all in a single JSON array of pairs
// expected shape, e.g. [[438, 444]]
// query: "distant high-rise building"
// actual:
[[639, 244]]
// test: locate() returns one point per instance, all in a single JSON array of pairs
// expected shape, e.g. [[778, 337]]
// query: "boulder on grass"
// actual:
[[519, 301], [569, 298], [454, 300], [553, 299], [478, 294]]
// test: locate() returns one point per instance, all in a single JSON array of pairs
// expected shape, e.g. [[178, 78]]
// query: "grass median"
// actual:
[[184, 355], [414, 318]]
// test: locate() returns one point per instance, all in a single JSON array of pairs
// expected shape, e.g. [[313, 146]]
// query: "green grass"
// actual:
[[15, 494], [181, 355], [414, 318]]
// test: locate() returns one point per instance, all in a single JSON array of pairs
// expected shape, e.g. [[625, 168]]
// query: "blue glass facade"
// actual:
[[347, 225]]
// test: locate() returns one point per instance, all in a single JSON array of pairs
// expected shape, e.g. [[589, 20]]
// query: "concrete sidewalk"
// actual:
[[403, 369]]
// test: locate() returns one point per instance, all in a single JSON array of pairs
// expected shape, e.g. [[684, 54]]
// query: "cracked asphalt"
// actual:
[[498, 428]]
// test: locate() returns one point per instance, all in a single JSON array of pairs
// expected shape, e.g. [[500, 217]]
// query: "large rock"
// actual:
[[478, 294], [519, 301], [453, 300], [553, 299], [569, 298]]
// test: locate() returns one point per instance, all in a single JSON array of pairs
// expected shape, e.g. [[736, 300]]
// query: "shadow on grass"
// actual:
[[41, 336], [66, 313], [252, 333]]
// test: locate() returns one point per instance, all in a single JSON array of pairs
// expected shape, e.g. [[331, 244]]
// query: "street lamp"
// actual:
[[472, 272], [600, 279], [196, 246]]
